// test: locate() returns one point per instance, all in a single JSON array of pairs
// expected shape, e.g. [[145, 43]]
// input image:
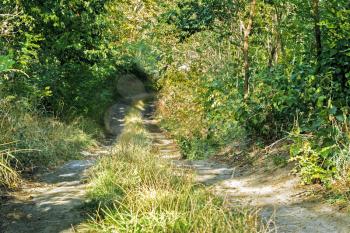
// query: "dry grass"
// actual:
[[37, 141], [134, 190], [9, 177]]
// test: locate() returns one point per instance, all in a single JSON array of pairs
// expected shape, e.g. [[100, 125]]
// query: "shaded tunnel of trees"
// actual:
[[224, 70]]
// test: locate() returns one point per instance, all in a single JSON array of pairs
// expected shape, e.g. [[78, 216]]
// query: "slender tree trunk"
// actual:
[[273, 59], [277, 47], [317, 28], [279, 33], [275, 41], [246, 63], [246, 35]]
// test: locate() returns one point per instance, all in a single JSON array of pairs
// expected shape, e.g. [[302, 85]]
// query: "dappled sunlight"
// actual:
[[276, 192], [137, 187], [186, 116], [50, 205]]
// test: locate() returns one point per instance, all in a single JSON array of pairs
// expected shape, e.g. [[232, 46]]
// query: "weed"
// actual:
[[8, 175], [280, 160], [37, 140]]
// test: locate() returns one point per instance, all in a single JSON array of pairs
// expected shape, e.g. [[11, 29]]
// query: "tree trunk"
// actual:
[[278, 17], [277, 48], [317, 28], [246, 34], [273, 59]]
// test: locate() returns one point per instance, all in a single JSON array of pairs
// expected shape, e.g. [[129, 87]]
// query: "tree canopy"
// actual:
[[223, 69]]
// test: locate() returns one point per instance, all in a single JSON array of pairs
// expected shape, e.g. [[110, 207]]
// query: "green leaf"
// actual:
[[326, 152], [340, 118], [6, 63]]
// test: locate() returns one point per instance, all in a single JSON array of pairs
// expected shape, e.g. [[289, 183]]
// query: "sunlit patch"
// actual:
[[68, 175]]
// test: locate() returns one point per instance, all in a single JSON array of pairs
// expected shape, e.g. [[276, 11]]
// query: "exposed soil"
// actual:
[[51, 203], [277, 193], [48, 205]]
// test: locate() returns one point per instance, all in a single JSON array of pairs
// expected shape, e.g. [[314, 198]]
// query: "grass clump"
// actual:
[[9, 177], [28, 139], [136, 191]]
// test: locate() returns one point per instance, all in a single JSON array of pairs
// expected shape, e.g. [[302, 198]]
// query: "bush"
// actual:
[[323, 155]]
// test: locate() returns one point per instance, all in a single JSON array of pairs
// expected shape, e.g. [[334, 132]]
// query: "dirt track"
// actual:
[[51, 204], [276, 193]]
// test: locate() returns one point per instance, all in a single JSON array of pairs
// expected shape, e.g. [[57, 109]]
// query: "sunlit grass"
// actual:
[[134, 190], [36, 140], [9, 177]]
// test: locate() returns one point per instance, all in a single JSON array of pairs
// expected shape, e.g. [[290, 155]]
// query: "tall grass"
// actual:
[[341, 182], [37, 140], [9, 177], [134, 190]]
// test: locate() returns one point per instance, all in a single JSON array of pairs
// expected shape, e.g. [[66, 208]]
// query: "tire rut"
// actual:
[[276, 193]]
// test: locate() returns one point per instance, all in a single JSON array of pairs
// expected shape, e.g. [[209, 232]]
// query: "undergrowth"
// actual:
[[324, 157], [9, 177], [134, 190], [30, 140]]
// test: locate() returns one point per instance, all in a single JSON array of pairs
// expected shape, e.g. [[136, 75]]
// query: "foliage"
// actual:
[[63, 48], [292, 87], [314, 162], [225, 70], [322, 156]]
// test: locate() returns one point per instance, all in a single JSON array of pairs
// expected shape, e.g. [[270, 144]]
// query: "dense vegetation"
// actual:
[[252, 71], [261, 71], [51, 62]]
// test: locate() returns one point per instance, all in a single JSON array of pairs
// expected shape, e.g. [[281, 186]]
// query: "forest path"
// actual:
[[276, 193], [51, 203]]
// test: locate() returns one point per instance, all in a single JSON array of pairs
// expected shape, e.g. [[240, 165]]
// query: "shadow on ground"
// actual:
[[52, 203], [276, 193]]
